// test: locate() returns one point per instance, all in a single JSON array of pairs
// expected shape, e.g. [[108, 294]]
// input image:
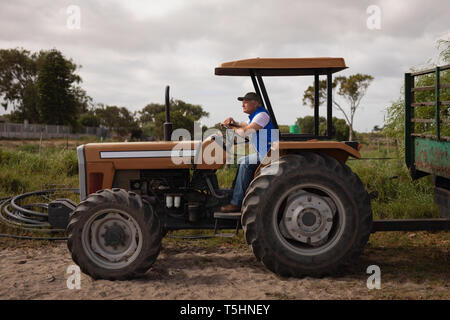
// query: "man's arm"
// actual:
[[240, 124], [230, 122], [258, 122], [245, 128]]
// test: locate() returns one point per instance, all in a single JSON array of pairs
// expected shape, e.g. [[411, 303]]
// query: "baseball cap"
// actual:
[[250, 96]]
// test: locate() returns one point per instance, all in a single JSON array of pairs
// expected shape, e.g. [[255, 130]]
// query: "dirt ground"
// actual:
[[413, 266]]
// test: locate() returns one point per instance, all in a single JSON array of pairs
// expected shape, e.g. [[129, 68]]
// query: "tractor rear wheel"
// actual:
[[114, 235], [306, 214]]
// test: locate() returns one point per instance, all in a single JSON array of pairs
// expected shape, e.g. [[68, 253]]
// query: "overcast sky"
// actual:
[[130, 50]]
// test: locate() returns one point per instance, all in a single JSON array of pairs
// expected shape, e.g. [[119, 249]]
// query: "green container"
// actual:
[[294, 128]]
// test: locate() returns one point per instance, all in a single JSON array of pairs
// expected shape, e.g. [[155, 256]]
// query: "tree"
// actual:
[[376, 128], [82, 100], [340, 127], [352, 89], [27, 78], [149, 112], [57, 102], [182, 115], [118, 119], [444, 46], [148, 130], [89, 119], [18, 75], [308, 95], [307, 123]]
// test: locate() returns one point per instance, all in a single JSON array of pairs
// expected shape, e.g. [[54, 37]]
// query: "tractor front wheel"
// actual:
[[114, 235]]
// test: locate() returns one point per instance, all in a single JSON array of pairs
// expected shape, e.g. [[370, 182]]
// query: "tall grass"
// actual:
[[25, 169], [396, 194]]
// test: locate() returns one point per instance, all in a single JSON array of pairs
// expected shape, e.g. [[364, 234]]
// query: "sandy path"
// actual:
[[220, 273]]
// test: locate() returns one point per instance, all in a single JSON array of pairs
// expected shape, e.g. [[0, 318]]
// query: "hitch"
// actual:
[[59, 211]]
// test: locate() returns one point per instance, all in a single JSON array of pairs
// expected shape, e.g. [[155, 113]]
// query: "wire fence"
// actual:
[[36, 131]]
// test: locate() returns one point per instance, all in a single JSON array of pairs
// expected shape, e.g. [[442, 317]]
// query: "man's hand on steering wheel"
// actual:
[[229, 123], [225, 126]]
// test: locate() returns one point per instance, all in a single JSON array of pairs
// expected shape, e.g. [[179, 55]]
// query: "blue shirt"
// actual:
[[259, 134]]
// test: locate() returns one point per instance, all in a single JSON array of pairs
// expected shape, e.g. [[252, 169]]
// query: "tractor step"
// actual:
[[227, 215], [230, 216]]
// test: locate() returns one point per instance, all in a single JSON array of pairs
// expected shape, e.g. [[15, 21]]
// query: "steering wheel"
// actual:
[[226, 139]]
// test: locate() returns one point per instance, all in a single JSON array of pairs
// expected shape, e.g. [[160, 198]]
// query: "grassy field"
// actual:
[[397, 195]]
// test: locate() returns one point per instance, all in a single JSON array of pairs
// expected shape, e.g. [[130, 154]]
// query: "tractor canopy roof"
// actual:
[[281, 66]]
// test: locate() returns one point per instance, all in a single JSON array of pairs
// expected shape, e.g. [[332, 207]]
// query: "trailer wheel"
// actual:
[[306, 214], [114, 235]]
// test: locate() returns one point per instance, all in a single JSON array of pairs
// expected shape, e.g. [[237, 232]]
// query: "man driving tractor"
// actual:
[[258, 128]]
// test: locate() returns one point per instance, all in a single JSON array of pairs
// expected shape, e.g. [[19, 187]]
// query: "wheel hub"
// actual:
[[114, 236], [308, 218]]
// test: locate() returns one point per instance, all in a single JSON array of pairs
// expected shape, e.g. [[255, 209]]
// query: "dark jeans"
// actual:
[[246, 168]]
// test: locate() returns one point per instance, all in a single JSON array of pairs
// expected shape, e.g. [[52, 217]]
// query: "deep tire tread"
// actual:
[[151, 228], [256, 198]]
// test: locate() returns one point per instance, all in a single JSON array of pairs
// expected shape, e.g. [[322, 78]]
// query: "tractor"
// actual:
[[305, 212]]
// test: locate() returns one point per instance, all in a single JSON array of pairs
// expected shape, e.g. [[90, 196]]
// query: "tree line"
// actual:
[[41, 87], [146, 123], [44, 87]]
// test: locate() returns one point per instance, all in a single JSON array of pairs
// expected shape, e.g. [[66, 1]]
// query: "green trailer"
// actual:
[[427, 141], [427, 147]]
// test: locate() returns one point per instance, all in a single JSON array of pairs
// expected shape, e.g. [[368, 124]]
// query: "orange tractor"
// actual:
[[304, 213]]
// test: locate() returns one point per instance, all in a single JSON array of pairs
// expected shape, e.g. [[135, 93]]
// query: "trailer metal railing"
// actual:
[[425, 152]]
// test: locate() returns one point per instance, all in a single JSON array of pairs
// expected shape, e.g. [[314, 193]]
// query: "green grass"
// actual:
[[225, 176], [24, 171], [398, 196]]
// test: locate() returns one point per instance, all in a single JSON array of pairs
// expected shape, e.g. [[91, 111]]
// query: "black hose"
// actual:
[[23, 217], [4, 235], [374, 159]]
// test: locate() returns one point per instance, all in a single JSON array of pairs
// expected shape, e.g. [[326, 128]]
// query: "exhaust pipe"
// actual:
[[167, 124]]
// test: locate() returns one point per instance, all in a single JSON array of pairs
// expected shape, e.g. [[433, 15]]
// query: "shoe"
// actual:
[[230, 208]]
